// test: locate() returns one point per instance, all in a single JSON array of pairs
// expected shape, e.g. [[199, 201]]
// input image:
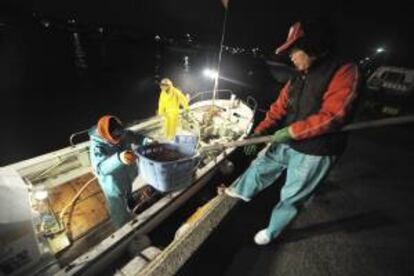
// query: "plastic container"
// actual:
[[166, 176], [187, 143]]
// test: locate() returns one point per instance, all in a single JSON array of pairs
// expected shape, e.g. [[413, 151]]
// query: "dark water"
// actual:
[[54, 82]]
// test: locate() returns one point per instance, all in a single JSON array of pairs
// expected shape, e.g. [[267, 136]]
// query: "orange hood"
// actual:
[[103, 128]]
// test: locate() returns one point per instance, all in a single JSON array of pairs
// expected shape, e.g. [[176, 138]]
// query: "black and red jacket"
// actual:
[[313, 104]]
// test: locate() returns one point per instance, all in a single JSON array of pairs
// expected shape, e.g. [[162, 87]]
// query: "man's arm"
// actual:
[[337, 101], [135, 138], [276, 112], [182, 99], [105, 164], [161, 104]]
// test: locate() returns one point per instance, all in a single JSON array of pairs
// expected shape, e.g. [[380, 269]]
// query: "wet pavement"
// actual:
[[359, 223]]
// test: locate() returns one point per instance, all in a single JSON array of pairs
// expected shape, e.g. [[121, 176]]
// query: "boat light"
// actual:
[[209, 73]]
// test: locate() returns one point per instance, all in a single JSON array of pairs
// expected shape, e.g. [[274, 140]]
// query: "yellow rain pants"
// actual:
[[169, 107]]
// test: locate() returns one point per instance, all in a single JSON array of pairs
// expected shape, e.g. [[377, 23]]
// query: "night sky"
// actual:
[[362, 25], [44, 99]]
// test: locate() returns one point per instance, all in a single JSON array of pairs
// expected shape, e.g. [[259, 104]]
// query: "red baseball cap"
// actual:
[[295, 32]]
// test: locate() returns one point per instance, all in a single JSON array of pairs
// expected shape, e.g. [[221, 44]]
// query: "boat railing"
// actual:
[[225, 94], [222, 94], [76, 134]]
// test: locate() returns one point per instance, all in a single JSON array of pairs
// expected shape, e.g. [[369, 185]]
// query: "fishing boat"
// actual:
[[54, 218]]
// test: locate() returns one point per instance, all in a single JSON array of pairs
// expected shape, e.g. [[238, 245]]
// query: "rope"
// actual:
[[73, 201]]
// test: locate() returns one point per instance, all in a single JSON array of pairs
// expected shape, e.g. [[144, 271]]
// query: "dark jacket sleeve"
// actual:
[[135, 138]]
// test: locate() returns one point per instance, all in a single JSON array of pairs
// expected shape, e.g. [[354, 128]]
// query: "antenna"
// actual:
[[223, 34]]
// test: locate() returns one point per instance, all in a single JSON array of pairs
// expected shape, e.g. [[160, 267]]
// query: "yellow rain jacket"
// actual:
[[169, 107]]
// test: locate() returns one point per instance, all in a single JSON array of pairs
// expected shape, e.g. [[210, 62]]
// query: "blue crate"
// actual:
[[169, 175]]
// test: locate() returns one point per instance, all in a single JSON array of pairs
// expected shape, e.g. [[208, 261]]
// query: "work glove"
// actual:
[[127, 157], [281, 136], [251, 149]]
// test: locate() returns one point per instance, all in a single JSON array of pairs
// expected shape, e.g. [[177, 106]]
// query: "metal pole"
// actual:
[[351, 127], [223, 33]]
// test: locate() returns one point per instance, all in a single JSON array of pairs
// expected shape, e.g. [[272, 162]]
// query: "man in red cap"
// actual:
[[309, 107]]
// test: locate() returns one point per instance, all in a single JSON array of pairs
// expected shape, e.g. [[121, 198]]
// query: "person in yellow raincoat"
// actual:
[[169, 104]]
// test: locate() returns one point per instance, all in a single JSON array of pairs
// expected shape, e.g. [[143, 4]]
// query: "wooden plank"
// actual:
[[90, 209], [86, 215], [183, 247]]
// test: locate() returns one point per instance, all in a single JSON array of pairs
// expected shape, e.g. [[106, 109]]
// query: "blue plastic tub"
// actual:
[[166, 176], [187, 143]]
